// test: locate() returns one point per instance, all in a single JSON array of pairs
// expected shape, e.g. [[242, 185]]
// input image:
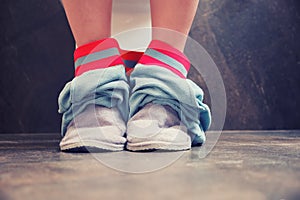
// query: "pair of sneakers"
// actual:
[[160, 93], [154, 127]]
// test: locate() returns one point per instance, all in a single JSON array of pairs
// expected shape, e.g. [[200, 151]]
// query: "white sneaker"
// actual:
[[157, 127], [97, 128]]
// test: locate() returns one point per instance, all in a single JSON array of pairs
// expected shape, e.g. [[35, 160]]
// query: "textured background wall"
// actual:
[[254, 43]]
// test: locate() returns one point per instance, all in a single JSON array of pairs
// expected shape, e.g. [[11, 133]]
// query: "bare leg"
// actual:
[[93, 126], [148, 128], [176, 15], [89, 20]]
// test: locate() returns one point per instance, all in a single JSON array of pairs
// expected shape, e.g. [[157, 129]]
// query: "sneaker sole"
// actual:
[[91, 146], [157, 145]]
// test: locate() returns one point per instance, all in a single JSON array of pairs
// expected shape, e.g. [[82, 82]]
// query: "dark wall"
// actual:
[[254, 43], [36, 54]]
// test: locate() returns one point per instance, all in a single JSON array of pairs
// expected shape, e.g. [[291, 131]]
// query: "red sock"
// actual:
[[161, 54], [130, 59], [97, 55]]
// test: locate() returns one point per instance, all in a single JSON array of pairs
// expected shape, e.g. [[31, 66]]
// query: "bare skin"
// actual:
[[171, 20], [176, 15], [90, 20]]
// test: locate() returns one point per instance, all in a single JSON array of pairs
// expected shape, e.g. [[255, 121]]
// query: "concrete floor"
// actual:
[[243, 165]]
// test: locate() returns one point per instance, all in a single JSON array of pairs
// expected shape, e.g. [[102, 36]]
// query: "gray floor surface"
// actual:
[[243, 165]]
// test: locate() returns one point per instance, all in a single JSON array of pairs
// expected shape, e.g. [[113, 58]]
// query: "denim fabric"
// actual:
[[106, 87], [161, 86]]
